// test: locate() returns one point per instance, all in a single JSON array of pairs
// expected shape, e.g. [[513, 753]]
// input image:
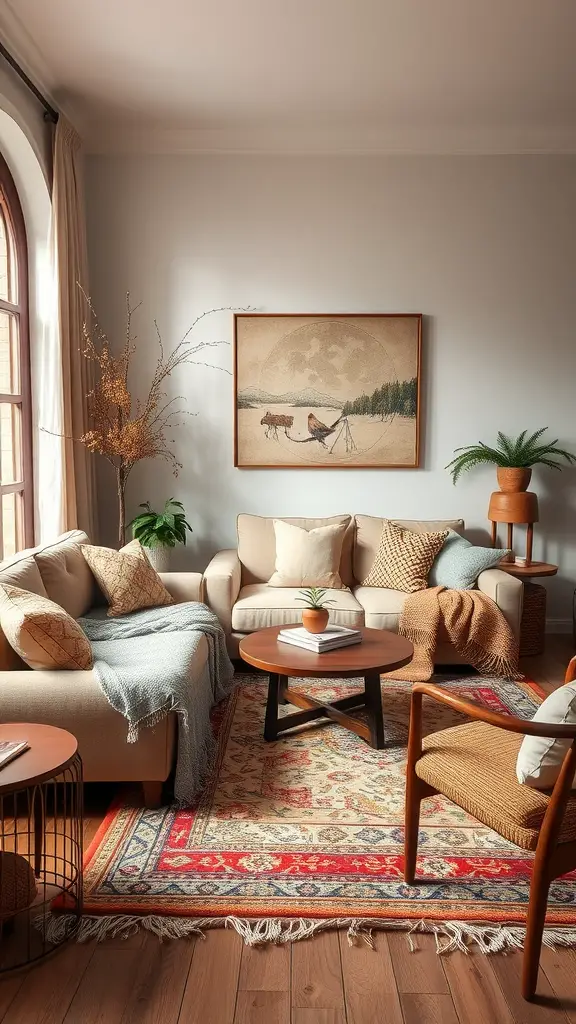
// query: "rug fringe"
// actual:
[[449, 935]]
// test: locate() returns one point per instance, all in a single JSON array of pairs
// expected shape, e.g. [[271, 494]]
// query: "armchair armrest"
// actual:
[[509, 722], [222, 580], [183, 586], [507, 592]]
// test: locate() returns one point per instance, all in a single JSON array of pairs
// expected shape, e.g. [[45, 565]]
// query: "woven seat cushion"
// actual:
[[474, 765]]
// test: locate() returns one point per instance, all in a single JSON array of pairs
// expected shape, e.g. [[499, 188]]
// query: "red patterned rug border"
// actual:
[[405, 915]]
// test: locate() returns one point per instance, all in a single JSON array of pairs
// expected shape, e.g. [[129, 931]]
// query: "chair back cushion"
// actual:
[[369, 531], [540, 759], [65, 574], [257, 545]]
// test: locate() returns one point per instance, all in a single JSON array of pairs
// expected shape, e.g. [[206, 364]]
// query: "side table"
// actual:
[[533, 625], [41, 842]]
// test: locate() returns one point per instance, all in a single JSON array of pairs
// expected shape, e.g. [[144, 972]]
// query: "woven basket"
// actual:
[[17, 884], [533, 625]]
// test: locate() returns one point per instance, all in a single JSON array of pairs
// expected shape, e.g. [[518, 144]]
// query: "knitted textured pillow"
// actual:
[[126, 578], [404, 558], [41, 632], [459, 563]]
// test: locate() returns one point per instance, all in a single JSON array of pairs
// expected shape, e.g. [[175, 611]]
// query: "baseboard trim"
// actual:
[[558, 625]]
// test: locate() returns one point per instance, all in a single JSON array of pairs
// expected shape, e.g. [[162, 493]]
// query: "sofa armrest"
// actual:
[[222, 585], [507, 592], [183, 586]]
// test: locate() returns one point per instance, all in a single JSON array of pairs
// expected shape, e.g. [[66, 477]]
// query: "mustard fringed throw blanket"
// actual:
[[474, 624]]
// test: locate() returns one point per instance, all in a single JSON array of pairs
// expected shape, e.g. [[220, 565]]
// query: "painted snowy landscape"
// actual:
[[327, 391]]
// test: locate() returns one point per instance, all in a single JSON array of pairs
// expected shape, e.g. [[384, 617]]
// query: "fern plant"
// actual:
[[518, 452], [161, 529], [314, 597]]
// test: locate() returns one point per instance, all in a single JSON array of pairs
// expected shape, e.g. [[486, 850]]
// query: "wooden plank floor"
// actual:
[[321, 981]]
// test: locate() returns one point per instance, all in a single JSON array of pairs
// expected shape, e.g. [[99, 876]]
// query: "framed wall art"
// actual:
[[327, 390]]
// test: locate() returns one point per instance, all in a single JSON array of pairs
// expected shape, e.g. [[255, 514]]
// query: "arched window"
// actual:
[[16, 502]]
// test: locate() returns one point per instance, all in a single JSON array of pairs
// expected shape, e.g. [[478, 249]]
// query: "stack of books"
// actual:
[[329, 640]]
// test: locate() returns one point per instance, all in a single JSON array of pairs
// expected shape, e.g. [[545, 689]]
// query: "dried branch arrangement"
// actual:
[[125, 429]]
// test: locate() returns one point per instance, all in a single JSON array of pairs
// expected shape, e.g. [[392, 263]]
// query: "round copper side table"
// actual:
[[380, 651], [41, 830]]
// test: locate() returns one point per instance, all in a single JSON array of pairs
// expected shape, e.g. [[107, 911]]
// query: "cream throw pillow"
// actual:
[[308, 558], [41, 632], [539, 758], [126, 578], [404, 558]]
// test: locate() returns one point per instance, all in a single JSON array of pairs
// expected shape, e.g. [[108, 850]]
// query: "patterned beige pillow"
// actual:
[[126, 578], [404, 558], [308, 558], [41, 632]]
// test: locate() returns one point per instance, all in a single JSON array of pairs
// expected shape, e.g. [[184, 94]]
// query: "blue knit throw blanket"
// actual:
[[142, 664]]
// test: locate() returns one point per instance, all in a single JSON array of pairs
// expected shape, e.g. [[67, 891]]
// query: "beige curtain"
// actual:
[[71, 260]]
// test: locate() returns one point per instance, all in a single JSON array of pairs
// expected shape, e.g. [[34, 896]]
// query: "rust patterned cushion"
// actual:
[[404, 558], [126, 578], [41, 632]]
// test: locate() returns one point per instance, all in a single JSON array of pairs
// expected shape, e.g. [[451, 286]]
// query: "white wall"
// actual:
[[484, 247]]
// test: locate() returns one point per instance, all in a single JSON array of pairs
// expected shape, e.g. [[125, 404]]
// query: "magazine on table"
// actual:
[[330, 639], [9, 749]]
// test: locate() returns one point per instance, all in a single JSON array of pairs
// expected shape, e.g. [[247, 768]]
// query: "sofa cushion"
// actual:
[[307, 558], [259, 606], [65, 573], [257, 545], [22, 572], [41, 632], [381, 606], [369, 531], [126, 578], [404, 558]]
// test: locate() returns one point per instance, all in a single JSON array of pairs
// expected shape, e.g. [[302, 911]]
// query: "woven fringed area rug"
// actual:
[[307, 833]]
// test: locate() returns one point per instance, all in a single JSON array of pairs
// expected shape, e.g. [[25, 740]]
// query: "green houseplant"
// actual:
[[513, 457], [160, 531], [315, 615]]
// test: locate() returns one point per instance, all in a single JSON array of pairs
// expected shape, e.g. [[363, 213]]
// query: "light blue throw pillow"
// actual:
[[459, 563]]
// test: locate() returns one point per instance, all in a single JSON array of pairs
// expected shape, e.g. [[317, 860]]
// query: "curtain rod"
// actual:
[[50, 114]]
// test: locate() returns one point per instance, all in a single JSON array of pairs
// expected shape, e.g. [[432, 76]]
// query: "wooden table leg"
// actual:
[[282, 699], [271, 720], [374, 709]]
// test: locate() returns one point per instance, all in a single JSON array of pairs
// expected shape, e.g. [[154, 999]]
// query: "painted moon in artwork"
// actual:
[[328, 392]]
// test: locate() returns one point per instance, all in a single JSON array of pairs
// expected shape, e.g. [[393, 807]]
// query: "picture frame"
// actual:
[[327, 390]]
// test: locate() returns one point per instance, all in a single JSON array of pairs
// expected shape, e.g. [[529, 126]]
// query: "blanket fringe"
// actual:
[[449, 935]]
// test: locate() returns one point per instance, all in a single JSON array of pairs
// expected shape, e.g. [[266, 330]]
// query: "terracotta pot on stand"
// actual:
[[513, 479], [315, 620]]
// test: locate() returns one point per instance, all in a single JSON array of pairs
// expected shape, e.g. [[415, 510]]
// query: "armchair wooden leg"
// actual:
[[152, 794], [537, 905], [571, 671], [411, 825]]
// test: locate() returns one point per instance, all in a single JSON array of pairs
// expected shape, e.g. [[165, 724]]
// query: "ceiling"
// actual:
[[293, 75]]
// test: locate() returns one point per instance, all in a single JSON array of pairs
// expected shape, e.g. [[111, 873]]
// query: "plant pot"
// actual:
[[159, 558], [513, 479], [315, 620]]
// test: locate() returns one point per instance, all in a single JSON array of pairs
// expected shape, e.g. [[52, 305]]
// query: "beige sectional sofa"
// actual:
[[73, 699], [236, 588]]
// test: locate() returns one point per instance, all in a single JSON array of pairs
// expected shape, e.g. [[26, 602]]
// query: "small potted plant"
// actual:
[[315, 615], [514, 458], [158, 532]]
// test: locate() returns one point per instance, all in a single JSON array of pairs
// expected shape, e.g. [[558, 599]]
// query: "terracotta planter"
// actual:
[[315, 620], [513, 479]]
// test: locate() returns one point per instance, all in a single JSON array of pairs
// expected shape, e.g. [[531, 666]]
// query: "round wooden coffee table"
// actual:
[[41, 822], [380, 651]]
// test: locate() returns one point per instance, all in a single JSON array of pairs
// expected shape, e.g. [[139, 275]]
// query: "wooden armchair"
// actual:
[[474, 765]]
